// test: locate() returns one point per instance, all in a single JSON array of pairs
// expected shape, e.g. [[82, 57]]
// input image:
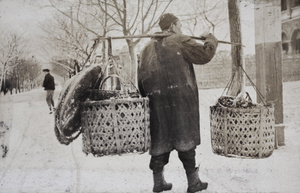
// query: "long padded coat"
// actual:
[[166, 75]]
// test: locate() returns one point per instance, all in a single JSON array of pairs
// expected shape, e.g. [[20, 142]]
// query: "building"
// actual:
[[290, 18]]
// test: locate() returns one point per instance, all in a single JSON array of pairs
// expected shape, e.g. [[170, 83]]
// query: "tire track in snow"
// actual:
[[78, 172], [14, 154], [30, 116]]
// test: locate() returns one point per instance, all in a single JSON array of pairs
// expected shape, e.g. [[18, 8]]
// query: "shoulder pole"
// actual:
[[163, 35]]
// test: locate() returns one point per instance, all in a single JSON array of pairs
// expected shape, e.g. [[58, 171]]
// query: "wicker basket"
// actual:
[[242, 132], [116, 126], [115, 123]]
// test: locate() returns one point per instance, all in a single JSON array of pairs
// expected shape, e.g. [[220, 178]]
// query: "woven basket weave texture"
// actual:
[[116, 126], [241, 132]]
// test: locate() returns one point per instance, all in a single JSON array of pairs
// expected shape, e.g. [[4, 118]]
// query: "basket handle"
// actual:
[[121, 80], [110, 76]]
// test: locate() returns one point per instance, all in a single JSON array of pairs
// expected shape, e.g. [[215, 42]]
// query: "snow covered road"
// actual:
[[37, 162]]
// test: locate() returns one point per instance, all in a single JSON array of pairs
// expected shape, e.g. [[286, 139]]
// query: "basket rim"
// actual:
[[247, 109], [118, 100]]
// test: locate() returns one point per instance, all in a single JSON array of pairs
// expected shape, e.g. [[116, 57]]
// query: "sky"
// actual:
[[22, 15], [25, 16]]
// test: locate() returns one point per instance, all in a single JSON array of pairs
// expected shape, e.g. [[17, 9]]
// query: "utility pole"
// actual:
[[268, 58]]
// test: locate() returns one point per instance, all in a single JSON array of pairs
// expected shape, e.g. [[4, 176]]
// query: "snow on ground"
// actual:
[[37, 162]]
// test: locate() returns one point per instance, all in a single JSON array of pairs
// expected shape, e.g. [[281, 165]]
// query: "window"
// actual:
[[295, 3], [296, 42], [285, 44], [297, 46], [285, 47]]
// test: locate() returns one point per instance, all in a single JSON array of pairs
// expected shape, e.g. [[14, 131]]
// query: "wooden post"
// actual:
[[269, 59], [238, 83]]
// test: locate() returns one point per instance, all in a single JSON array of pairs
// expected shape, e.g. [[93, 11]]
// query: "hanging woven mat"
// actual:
[[115, 123], [240, 128]]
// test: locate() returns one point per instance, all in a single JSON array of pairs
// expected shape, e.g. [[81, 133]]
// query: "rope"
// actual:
[[230, 82], [112, 61], [254, 86], [110, 58], [95, 45]]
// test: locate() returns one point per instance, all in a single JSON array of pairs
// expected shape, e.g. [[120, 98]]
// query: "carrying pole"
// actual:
[[162, 35]]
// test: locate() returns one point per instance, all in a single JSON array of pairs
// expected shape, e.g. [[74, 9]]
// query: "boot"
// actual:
[[194, 183], [160, 184]]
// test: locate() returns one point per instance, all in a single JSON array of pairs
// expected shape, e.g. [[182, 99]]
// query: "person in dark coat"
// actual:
[[166, 75], [49, 87]]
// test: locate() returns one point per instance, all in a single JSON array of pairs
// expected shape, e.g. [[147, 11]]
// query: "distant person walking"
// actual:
[[49, 86]]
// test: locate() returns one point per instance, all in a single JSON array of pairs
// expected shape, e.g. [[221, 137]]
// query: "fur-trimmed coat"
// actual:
[[166, 75]]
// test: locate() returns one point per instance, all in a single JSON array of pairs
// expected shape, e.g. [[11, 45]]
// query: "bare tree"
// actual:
[[205, 15], [134, 17], [238, 63], [12, 48], [73, 32], [214, 14], [27, 71], [69, 41], [99, 17]]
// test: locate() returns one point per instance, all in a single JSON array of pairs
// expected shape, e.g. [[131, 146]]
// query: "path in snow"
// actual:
[[36, 162]]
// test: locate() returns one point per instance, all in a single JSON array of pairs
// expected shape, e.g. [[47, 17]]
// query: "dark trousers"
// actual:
[[49, 98], [187, 158]]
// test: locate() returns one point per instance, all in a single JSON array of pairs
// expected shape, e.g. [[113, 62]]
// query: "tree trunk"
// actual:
[[238, 83], [2, 76]]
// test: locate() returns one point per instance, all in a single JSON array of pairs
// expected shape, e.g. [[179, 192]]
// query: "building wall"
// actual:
[[217, 74], [291, 68]]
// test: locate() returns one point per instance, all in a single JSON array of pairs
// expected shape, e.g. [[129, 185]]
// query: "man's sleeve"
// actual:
[[198, 53]]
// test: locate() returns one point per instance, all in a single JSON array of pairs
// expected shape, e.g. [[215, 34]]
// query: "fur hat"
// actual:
[[166, 20]]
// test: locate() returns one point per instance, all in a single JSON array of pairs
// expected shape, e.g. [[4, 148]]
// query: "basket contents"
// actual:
[[67, 114], [96, 94], [238, 102], [242, 128]]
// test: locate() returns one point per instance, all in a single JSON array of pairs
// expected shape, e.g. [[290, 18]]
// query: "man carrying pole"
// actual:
[[166, 75]]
